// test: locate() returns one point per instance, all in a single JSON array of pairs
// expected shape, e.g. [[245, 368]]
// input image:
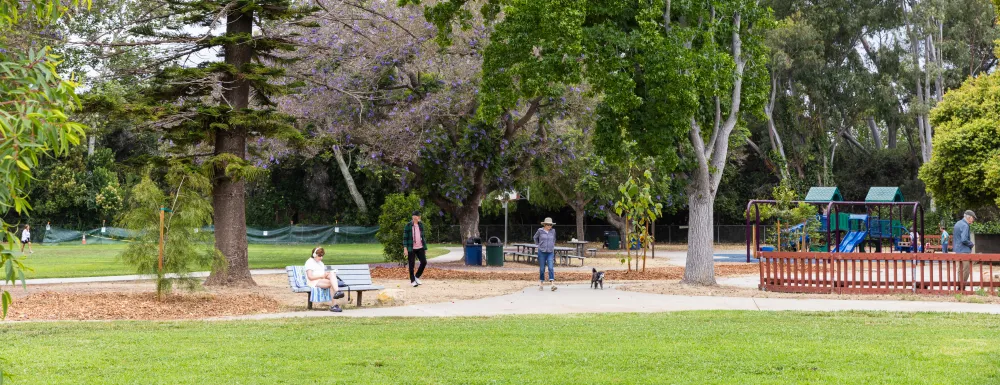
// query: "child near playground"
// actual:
[[26, 239], [944, 239]]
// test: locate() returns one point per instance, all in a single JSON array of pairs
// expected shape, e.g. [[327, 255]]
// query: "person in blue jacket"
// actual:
[[963, 243]]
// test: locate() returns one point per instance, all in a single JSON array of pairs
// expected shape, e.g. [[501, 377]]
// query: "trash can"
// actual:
[[494, 252], [474, 252], [611, 240], [634, 243]]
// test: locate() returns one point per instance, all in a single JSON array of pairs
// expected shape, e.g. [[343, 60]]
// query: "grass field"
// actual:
[[675, 348], [98, 260]]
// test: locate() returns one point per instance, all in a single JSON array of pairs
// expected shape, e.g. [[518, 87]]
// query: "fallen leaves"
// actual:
[[137, 306]]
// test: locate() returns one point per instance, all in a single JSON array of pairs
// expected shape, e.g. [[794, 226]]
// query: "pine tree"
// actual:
[[210, 110]]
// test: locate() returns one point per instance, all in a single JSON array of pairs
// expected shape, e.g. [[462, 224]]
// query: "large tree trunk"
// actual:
[[228, 193], [923, 86], [468, 223], [617, 221], [351, 186], [893, 134], [876, 135], [773, 130], [710, 164], [700, 268], [579, 212]]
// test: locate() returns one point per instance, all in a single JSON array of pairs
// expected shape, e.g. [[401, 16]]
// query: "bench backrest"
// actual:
[[352, 275]]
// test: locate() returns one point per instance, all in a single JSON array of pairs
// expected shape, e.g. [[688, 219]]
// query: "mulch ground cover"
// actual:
[[657, 273], [137, 306]]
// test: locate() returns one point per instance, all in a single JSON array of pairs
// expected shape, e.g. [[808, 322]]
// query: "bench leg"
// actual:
[[309, 302], [359, 298]]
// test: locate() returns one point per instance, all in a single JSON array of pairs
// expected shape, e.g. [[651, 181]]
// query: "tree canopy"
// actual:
[[964, 170]]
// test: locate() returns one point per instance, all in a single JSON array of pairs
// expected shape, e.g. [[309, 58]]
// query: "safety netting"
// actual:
[[309, 234]]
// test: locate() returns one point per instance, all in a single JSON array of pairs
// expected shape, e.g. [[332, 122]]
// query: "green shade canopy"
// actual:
[[884, 194], [824, 194]]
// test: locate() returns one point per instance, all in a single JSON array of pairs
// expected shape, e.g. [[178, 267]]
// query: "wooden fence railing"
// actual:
[[878, 273]]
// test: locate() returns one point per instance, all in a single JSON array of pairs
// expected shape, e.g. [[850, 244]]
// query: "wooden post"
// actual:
[[779, 236], [628, 245], [644, 248], [161, 240], [652, 253]]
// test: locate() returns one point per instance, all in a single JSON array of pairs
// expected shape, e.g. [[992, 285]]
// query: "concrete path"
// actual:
[[581, 299], [454, 254]]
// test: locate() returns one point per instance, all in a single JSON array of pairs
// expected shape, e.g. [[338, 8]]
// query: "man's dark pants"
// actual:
[[415, 254]]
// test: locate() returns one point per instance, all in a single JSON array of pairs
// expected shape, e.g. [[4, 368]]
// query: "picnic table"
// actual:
[[580, 245], [529, 252]]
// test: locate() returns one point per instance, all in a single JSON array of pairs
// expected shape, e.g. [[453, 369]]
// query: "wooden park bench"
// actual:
[[567, 258], [932, 243], [356, 278]]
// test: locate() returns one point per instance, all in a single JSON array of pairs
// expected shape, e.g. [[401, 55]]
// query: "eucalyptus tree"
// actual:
[[35, 105]]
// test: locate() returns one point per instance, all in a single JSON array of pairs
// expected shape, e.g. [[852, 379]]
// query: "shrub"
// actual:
[[185, 248], [396, 212]]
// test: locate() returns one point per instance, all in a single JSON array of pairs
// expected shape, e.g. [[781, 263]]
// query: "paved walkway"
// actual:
[[581, 299], [454, 254]]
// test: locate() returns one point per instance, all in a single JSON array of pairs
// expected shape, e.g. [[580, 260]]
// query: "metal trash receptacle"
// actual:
[[494, 252], [474, 251], [611, 240]]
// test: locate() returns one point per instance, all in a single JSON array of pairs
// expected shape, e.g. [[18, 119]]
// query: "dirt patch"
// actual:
[[675, 287], [137, 306], [135, 300]]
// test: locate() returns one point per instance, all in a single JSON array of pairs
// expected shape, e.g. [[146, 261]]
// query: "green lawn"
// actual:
[[678, 348], [97, 260]]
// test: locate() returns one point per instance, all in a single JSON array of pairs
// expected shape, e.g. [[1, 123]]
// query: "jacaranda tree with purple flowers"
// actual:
[[455, 121]]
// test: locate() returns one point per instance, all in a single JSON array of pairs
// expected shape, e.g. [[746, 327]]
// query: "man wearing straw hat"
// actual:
[[963, 244], [545, 238]]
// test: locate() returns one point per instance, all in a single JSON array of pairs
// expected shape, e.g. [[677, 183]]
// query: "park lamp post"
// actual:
[[506, 198]]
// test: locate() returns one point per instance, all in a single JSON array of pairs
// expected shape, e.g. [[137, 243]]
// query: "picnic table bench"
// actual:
[[356, 278], [931, 243], [529, 252]]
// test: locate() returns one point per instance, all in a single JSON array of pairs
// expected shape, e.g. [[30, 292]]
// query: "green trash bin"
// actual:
[[611, 240], [494, 252]]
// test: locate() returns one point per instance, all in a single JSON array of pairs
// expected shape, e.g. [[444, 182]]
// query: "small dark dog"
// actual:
[[597, 279]]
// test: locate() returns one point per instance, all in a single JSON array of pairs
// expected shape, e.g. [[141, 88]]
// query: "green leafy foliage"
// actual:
[[34, 104], [79, 189], [964, 170], [396, 213], [185, 248], [787, 214], [986, 227], [637, 205]]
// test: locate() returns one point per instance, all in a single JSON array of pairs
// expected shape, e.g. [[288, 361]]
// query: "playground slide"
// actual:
[[851, 241]]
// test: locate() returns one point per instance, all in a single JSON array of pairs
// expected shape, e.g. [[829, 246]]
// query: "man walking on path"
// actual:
[[414, 247], [963, 243]]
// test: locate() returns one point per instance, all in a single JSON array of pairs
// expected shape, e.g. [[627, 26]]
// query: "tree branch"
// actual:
[[722, 144]]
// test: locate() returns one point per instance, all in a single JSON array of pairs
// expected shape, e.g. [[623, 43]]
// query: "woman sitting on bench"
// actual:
[[317, 276]]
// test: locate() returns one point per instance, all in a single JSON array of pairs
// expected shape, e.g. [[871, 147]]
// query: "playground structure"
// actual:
[[880, 227], [866, 252]]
